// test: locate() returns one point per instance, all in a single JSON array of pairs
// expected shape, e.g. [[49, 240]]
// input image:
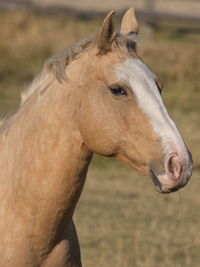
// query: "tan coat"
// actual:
[[46, 147]]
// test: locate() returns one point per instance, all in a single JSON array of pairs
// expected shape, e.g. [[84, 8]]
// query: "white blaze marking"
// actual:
[[141, 80]]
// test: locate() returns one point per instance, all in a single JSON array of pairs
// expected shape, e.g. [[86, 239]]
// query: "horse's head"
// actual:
[[121, 112]]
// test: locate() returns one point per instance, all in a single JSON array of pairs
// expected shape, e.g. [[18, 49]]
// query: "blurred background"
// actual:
[[121, 220]]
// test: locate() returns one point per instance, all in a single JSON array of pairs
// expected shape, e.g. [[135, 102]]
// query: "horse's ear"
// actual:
[[106, 34], [129, 22]]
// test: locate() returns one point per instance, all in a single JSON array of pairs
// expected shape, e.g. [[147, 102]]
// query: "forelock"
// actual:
[[129, 41]]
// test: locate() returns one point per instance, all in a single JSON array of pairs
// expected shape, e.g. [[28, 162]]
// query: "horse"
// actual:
[[97, 96]]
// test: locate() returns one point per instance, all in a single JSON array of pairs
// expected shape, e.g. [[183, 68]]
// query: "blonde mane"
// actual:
[[54, 67]]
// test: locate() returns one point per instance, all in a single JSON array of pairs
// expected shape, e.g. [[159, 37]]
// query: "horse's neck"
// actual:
[[44, 163]]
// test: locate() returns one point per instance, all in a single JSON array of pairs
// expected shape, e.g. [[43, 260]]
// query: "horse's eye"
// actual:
[[118, 91]]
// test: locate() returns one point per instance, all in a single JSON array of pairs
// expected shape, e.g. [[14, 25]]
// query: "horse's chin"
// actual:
[[164, 184]]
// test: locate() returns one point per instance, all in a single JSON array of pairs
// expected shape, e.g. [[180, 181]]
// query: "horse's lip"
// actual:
[[156, 181], [164, 189]]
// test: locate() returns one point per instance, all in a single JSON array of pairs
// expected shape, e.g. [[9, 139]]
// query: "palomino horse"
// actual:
[[96, 97]]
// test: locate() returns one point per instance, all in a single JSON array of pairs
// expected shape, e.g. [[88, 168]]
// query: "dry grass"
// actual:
[[123, 221], [120, 218]]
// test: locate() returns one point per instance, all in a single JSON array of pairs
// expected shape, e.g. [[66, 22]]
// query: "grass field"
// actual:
[[122, 221]]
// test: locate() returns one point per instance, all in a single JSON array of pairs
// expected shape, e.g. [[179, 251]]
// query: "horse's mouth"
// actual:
[[163, 188], [174, 175]]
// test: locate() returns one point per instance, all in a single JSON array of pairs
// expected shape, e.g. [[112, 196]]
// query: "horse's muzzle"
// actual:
[[177, 172]]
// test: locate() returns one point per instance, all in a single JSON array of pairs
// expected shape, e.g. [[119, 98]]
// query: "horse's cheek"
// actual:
[[97, 131]]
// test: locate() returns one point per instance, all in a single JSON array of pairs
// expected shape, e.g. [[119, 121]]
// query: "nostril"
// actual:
[[170, 165], [173, 166]]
